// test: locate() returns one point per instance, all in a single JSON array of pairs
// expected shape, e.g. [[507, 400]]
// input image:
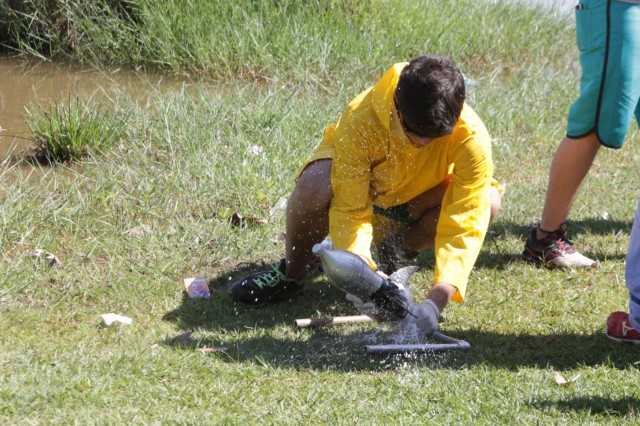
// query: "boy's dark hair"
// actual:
[[430, 95]]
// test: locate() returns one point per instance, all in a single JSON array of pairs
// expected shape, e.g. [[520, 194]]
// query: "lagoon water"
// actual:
[[26, 83]]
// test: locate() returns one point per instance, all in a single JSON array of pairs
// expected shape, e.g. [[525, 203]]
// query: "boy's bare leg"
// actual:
[[421, 235], [426, 207], [307, 220], [569, 167]]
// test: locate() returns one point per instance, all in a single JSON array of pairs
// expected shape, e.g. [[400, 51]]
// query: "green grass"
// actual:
[[128, 227]]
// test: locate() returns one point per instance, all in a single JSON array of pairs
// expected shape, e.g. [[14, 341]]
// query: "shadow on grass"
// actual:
[[343, 349], [497, 257], [594, 226], [267, 336], [621, 407]]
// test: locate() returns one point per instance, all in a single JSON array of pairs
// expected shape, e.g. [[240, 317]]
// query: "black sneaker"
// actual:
[[555, 251], [391, 258], [261, 287]]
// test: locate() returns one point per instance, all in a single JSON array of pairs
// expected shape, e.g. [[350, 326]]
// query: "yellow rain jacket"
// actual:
[[375, 163]]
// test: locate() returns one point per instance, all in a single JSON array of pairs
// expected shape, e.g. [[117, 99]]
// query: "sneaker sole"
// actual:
[[619, 340], [527, 257]]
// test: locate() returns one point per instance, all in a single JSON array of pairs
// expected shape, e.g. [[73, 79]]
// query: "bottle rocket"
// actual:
[[350, 273]]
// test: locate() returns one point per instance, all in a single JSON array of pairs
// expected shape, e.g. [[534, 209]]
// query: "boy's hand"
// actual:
[[426, 318]]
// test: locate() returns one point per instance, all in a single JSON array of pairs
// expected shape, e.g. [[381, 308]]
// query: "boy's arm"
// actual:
[[464, 215], [351, 210], [462, 225]]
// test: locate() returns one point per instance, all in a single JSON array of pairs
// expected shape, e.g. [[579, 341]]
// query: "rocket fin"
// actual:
[[402, 275]]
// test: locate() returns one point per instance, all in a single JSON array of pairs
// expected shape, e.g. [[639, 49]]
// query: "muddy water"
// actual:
[[25, 83]]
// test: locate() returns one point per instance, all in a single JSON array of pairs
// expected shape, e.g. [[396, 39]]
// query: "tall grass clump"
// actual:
[[281, 39], [54, 28], [72, 130]]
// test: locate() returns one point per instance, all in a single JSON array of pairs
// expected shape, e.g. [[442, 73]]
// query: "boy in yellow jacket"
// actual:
[[407, 167]]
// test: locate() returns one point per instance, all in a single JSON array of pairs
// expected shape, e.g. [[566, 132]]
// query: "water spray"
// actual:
[[441, 342], [391, 297]]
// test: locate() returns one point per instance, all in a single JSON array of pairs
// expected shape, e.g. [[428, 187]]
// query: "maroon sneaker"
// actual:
[[555, 251], [619, 329]]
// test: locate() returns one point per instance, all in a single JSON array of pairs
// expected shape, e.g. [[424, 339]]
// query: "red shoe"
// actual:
[[555, 251], [619, 329]]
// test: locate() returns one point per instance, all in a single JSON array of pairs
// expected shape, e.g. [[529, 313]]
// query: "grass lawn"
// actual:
[[127, 226]]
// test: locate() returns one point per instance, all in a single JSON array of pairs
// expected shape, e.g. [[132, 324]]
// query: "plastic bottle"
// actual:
[[353, 275]]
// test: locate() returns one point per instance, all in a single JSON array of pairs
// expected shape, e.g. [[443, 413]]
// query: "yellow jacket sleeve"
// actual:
[[351, 211], [465, 213]]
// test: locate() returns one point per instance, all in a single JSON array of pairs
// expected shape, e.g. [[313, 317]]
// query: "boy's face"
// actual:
[[416, 139]]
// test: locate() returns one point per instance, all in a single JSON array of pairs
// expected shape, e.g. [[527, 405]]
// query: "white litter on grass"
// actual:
[[197, 288], [279, 208], [45, 255], [110, 319]]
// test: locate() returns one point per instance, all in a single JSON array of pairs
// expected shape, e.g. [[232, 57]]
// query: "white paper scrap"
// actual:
[[113, 318]]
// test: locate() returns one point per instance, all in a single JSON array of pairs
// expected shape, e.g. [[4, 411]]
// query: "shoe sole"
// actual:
[[527, 257], [619, 340]]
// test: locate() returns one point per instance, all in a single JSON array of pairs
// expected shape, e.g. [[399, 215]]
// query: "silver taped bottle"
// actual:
[[348, 271], [353, 275]]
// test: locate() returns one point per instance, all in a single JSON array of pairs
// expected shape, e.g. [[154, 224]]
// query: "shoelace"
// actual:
[[561, 243], [270, 279]]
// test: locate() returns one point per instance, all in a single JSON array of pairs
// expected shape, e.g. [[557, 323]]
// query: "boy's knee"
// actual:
[[313, 190]]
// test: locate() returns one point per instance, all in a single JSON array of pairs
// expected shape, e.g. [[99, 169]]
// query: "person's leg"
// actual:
[[622, 326], [569, 167], [608, 37], [547, 244], [632, 271], [307, 221], [425, 209]]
